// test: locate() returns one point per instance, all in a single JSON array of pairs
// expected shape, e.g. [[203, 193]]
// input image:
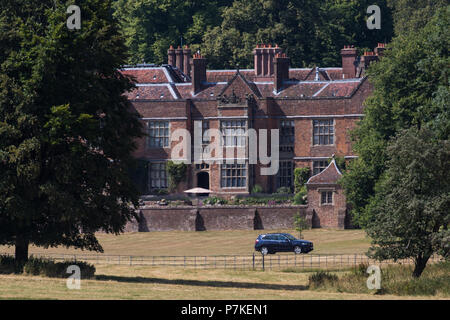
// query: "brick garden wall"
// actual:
[[184, 218]]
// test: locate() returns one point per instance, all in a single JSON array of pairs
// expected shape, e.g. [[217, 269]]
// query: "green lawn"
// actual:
[[237, 242]]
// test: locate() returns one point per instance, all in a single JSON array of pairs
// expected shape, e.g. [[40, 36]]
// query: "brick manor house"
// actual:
[[314, 109]]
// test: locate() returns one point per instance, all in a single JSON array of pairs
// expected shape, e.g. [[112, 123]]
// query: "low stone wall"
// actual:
[[279, 218], [188, 218], [167, 219], [225, 218]]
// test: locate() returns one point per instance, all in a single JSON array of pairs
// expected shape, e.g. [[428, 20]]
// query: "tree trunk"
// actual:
[[21, 250], [420, 264]]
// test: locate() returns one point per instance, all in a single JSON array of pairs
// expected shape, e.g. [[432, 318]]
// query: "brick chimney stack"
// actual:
[[179, 58], [379, 50], [171, 56], [281, 71], [348, 62], [264, 61], [187, 61], [198, 72], [368, 58]]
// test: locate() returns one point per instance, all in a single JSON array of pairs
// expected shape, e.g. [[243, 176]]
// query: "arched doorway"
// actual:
[[203, 180]]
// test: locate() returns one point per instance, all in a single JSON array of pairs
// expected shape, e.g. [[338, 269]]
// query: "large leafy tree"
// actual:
[[312, 32], [410, 213], [411, 87], [66, 129]]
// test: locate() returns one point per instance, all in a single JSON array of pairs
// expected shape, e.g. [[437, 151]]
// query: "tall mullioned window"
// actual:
[[233, 132], [158, 134], [285, 174], [233, 175], [158, 175], [287, 135], [323, 132]]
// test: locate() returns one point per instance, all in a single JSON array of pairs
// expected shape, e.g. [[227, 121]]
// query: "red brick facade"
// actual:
[[267, 97]]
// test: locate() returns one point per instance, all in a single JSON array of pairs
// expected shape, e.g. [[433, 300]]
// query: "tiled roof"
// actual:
[[330, 175], [227, 75], [148, 75], [169, 83], [299, 74], [153, 92]]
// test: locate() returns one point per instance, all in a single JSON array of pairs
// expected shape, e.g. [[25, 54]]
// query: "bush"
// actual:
[[214, 200], [301, 196], [301, 176], [8, 265], [257, 189], [361, 269], [160, 192], [283, 190], [50, 268], [322, 278], [176, 173]]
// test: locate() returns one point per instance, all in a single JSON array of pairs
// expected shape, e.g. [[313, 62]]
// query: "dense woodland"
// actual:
[[312, 32]]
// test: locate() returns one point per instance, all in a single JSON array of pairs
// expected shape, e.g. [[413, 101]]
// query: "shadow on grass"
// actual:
[[219, 284]]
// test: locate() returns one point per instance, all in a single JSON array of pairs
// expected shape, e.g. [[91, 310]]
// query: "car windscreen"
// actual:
[[290, 237]]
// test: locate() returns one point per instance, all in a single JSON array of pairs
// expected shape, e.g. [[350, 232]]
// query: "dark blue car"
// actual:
[[281, 242]]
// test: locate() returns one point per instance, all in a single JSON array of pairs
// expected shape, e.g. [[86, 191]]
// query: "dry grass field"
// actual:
[[236, 242], [122, 282], [143, 282]]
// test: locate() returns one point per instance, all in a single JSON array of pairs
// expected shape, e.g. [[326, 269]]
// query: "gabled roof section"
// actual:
[[330, 175], [236, 82]]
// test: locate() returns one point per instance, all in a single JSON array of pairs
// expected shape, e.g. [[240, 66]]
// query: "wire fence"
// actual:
[[254, 261]]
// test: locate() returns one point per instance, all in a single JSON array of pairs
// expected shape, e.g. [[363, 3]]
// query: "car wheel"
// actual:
[[298, 250], [264, 251]]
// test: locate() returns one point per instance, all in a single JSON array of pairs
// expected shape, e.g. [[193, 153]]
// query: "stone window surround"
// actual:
[[244, 167], [283, 125], [320, 190], [279, 177], [161, 178], [312, 132], [234, 135], [147, 144]]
